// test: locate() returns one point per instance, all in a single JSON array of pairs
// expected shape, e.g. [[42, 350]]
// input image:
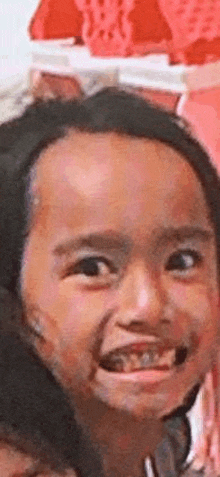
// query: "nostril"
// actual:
[[165, 321], [161, 327], [134, 326]]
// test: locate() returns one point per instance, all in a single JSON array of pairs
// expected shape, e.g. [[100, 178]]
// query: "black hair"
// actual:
[[110, 110], [36, 417], [29, 396]]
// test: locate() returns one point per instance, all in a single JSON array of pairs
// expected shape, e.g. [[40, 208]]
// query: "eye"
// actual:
[[93, 267], [93, 270], [183, 260]]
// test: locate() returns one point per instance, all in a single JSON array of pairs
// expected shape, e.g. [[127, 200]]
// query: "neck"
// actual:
[[121, 441]]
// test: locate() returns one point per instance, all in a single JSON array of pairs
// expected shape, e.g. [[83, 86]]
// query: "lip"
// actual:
[[148, 376]]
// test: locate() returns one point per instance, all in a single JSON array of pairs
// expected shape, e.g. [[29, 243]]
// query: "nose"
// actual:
[[142, 301]]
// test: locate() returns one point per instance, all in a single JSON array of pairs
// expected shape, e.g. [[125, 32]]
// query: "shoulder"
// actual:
[[15, 463]]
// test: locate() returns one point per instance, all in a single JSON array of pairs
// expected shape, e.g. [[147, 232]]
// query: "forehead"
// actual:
[[117, 175], [110, 149]]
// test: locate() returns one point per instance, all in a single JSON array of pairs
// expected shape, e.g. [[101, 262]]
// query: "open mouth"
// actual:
[[129, 359]]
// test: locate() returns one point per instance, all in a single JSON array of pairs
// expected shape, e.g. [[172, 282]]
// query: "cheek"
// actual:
[[77, 310], [73, 319], [199, 303], [81, 317], [35, 276]]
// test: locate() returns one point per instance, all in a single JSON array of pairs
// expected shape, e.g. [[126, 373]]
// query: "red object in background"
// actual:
[[195, 26], [56, 19], [188, 30], [164, 99], [123, 27], [202, 110], [51, 86]]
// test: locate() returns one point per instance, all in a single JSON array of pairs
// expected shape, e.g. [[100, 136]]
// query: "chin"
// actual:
[[148, 404], [137, 406]]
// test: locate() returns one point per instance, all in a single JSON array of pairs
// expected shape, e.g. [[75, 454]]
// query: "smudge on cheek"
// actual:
[[124, 441]]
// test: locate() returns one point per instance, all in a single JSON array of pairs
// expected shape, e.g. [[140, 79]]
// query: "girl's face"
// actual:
[[120, 272]]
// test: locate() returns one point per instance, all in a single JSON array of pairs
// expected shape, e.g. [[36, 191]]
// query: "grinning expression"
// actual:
[[119, 273]]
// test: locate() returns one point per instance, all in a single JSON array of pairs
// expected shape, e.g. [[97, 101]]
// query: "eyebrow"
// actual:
[[96, 241], [166, 235], [122, 243]]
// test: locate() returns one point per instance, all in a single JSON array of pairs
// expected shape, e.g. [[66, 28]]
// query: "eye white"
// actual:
[[188, 260], [103, 268]]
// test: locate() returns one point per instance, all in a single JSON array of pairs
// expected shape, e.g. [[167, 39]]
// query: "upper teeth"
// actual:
[[147, 358], [128, 362]]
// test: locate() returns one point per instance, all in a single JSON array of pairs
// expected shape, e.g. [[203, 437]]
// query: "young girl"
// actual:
[[110, 230]]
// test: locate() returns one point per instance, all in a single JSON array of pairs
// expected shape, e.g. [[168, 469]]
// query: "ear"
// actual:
[[42, 332]]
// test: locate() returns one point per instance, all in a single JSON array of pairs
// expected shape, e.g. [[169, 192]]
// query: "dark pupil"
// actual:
[[90, 267], [177, 261]]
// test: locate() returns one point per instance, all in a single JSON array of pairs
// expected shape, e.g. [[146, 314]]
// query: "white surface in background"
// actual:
[[14, 43]]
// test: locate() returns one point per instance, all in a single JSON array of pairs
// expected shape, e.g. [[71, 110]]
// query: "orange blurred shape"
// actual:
[[51, 86], [188, 30]]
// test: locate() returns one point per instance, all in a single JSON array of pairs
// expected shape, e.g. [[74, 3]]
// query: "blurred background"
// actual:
[[166, 50], [14, 42]]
